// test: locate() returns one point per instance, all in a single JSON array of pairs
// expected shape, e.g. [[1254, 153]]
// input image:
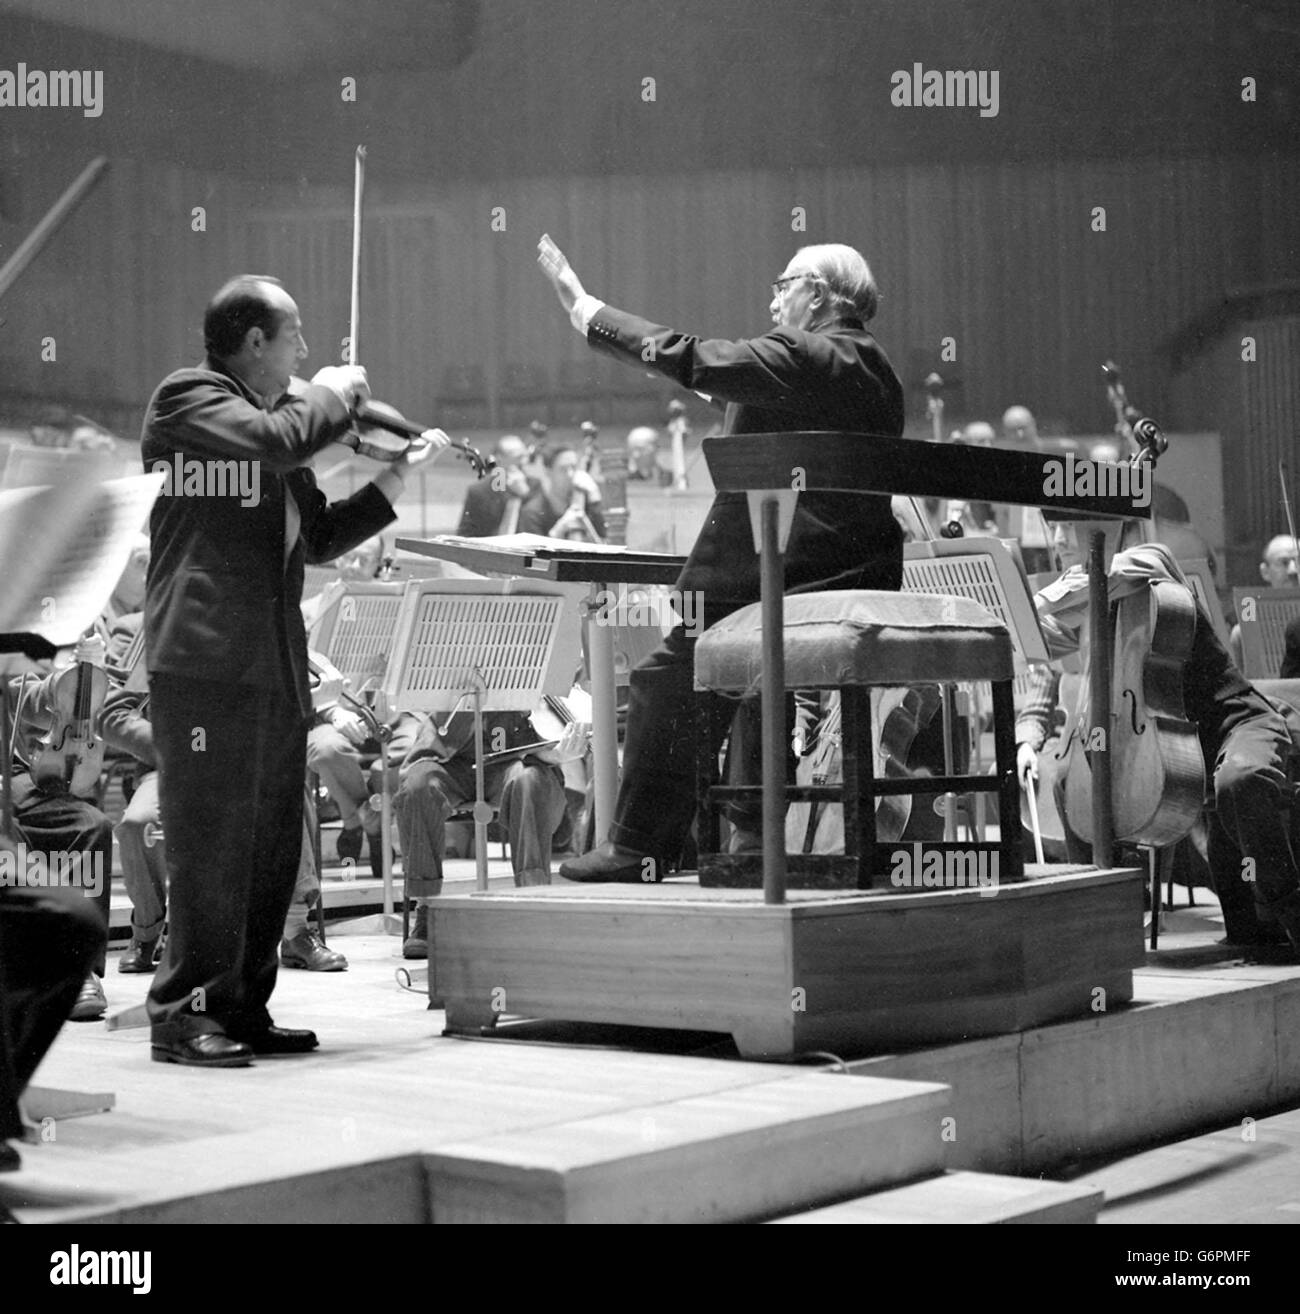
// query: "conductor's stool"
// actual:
[[851, 640]]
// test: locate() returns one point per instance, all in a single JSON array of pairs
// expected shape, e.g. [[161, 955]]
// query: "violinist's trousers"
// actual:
[[231, 763]]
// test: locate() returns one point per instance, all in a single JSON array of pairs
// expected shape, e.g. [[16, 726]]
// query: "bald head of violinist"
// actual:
[[252, 329], [1278, 569]]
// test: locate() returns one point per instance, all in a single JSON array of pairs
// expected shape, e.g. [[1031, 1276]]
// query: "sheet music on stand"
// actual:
[[63, 550], [502, 644]]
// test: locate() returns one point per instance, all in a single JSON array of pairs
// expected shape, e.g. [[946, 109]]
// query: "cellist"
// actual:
[[1245, 740]]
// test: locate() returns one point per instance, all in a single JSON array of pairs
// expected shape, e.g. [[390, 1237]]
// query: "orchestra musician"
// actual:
[[227, 659], [817, 368], [437, 779], [492, 506], [643, 458], [1244, 737], [568, 503]]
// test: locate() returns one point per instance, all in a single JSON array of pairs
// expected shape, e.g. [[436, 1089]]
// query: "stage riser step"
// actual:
[[962, 1197], [738, 1156]]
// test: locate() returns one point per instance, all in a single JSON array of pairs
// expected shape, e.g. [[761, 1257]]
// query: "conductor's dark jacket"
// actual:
[[786, 381], [222, 602]]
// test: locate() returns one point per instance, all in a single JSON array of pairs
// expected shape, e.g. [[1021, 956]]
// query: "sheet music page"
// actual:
[[62, 550], [536, 544]]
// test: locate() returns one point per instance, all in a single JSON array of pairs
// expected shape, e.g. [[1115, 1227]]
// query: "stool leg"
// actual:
[[1010, 829], [858, 794], [706, 775]]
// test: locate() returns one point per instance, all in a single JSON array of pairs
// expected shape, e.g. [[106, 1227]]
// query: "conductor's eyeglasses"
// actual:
[[779, 286]]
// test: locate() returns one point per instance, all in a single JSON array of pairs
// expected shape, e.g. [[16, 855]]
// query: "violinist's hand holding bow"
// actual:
[[347, 382], [571, 746]]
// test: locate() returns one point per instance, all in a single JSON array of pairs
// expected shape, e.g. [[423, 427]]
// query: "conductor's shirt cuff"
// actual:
[[584, 311]]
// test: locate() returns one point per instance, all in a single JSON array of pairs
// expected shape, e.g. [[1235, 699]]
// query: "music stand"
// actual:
[[983, 570], [505, 643], [1263, 615]]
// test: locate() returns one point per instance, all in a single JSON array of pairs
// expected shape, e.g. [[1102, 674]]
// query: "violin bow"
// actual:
[[358, 195], [1286, 501]]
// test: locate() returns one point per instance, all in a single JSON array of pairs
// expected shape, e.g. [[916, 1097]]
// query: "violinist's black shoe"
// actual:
[[211, 1049], [277, 1040], [611, 863]]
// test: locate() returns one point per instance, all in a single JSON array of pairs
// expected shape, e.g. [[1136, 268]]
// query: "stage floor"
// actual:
[[386, 1087]]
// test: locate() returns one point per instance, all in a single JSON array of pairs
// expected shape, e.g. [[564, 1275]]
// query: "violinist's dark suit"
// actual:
[[788, 380], [228, 681]]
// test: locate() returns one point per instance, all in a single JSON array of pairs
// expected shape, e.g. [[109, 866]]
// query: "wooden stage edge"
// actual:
[[837, 970], [394, 1120]]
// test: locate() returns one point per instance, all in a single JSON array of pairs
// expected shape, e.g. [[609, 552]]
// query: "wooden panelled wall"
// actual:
[[1001, 258]]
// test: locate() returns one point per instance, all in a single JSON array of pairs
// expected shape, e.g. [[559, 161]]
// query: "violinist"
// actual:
[[1244, 739], [226, 650], [568, 505]]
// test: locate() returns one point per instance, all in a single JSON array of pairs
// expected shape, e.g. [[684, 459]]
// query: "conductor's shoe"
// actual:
[[308, 951], [612, 863], [277, 1040], [209, 1050], [91, 1004]]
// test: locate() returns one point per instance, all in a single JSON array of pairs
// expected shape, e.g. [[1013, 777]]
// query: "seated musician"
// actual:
[[1279, 568], [437, 779], [54, 814], [1244, 738], [492, 506], [643, 458], [569, 504]]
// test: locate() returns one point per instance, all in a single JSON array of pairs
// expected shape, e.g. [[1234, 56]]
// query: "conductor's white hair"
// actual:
[[848, 277]]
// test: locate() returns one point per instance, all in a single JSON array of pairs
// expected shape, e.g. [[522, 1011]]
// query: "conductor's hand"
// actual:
[[556, 267], [348, 382], [572, 744], [1026, 764]]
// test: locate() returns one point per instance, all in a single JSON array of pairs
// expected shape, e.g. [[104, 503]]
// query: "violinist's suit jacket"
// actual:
[[229, 694], [223, 600]]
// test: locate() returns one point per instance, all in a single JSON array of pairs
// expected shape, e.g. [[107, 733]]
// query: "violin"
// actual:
[[383, 434], [70, 756]]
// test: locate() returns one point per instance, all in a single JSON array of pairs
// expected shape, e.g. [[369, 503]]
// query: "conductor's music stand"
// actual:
[[504, 643]]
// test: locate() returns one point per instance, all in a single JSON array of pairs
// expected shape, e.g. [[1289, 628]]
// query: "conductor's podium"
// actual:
[[850, 971]]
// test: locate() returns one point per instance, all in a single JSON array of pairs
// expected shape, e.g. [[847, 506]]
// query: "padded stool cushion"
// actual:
[[860, 637]]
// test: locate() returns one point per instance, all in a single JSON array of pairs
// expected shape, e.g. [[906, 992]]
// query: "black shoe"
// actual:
[[10, 1160], [278, 1040], [348, 844], [416, 945], [141, 956], [610, 862], [91, 1004], [308, 951], [209, 1050]]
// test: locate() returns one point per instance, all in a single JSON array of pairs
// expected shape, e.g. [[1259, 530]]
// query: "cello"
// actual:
[[1157, 784]]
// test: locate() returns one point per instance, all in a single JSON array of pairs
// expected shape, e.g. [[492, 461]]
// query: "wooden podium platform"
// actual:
[[856, 972]]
